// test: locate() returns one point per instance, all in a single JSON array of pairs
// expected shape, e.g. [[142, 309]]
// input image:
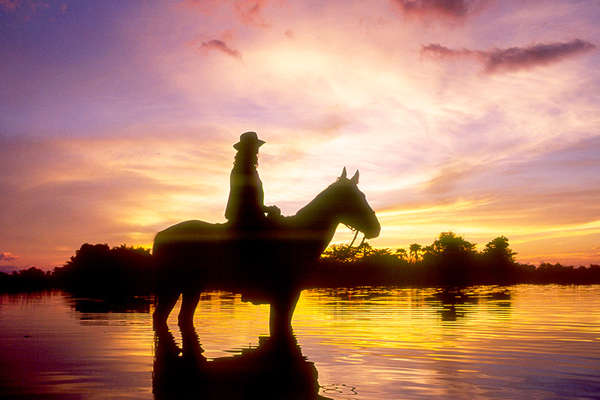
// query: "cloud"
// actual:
[[6, 256], [539, 54], [439, 51], [447, 179], [513, 58], [325, 126], [250, 12], [221, 46], [453, 9], [63, 192]]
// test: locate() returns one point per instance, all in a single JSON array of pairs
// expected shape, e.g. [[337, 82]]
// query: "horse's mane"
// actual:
[[319, 198]]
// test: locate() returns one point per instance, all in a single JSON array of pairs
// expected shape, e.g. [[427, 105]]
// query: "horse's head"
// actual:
[[352, 207]]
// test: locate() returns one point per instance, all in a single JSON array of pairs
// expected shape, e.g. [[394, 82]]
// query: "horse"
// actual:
[[265, 265]]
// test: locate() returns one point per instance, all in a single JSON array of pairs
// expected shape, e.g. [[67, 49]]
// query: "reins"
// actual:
[[355, 236]]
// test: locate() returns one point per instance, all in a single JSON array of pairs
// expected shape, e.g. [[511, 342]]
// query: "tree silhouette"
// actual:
[[401, 253], [451, 257], [341, 253], [98, 269], [449, 244], [25, 280], [415, 251], [498, 251]]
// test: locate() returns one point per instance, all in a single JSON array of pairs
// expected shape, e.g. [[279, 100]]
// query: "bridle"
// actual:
[[355, 236], [355, 230]]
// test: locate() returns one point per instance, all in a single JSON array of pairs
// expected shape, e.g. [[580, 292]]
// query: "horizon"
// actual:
[[326, 254], [476, 117]]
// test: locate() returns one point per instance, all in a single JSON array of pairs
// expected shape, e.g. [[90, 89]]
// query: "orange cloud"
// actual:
[[7, 256]]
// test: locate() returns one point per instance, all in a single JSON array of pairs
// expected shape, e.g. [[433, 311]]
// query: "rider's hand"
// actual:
[[273, 211]]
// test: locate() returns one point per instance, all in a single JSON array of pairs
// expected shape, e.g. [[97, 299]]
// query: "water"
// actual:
[[530, 342]]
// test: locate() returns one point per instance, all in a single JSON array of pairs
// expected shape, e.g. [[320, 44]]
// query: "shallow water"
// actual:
[[527, 341]]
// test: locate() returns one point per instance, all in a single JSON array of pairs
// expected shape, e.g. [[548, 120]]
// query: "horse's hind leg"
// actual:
[[164, 304], [190, 299]]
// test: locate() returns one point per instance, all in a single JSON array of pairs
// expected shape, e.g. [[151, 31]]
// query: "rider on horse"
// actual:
[[265, 260], [245, 207], [246, 215]]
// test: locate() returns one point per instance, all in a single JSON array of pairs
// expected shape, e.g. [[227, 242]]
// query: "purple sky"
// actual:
[[480, 117]]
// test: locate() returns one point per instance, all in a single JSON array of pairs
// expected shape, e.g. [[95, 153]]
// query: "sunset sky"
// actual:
[[117, 118]]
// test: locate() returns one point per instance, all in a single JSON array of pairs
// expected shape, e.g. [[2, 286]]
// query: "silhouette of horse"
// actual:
[[266, 266], [276, 369]]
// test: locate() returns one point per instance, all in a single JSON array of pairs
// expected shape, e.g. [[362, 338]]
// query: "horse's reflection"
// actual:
[[276, 369]]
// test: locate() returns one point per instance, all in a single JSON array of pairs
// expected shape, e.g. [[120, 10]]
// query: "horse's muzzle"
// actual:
[[372, 232]]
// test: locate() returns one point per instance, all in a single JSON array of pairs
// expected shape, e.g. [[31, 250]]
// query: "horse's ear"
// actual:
[[343, 176], [354, 179]]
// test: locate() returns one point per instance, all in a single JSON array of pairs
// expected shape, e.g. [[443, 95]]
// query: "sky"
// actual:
[[480, 117]]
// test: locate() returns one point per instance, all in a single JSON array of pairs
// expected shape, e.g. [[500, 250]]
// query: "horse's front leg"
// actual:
[[281, 313], [165, 301], [189, 301]]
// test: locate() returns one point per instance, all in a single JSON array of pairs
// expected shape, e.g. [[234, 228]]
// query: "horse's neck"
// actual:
[[319, 217]]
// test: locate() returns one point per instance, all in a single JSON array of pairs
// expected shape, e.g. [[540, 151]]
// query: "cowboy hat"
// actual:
[[247, 139]]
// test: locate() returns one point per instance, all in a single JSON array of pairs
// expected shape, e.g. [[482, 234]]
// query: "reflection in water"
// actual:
[[50, 351], [111, 305], [526, 341], [276, 369], [451, 303], [451, 298]]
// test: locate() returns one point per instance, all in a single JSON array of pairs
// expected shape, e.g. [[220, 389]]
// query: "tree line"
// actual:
[[97, 269], [449, 261]]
